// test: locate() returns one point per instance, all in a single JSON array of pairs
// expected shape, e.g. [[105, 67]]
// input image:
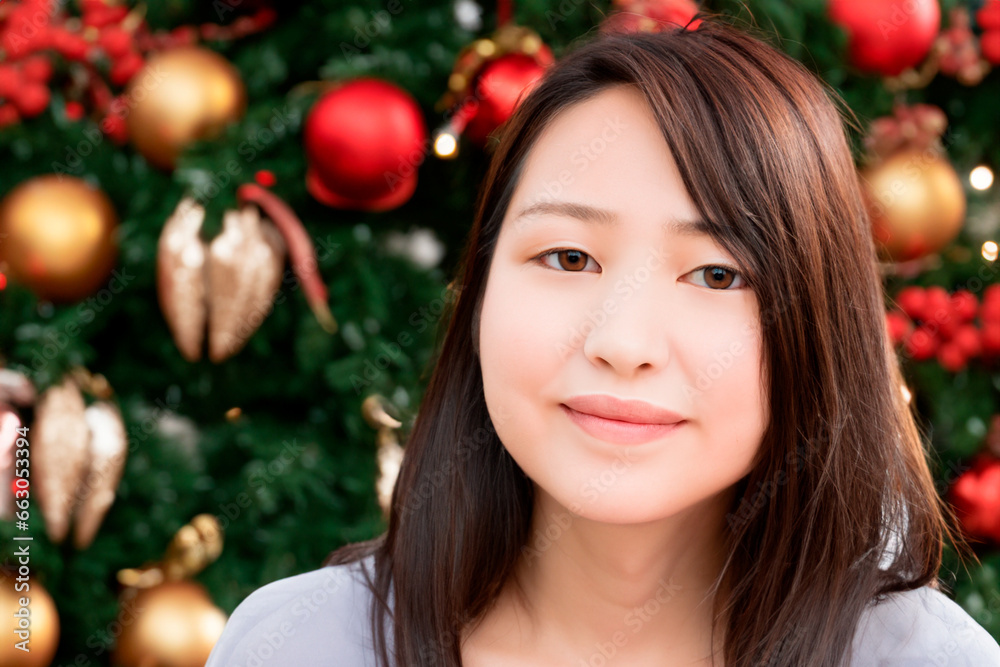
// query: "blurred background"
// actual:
[[227, 231]]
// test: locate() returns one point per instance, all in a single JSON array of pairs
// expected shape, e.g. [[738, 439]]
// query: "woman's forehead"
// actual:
[[606, 153]]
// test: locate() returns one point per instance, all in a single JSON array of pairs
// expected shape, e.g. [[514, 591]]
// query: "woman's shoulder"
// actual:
[[920, 627], [317, 618]]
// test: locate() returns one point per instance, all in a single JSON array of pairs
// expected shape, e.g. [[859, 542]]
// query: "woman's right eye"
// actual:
[[569, 260]]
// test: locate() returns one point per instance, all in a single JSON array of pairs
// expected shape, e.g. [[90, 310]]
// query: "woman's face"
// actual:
[[595, 293]]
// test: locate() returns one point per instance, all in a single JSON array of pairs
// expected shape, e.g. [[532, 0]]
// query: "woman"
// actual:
[[666, 425]]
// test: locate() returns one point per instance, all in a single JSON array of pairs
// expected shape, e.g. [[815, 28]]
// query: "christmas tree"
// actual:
[[227, 235]]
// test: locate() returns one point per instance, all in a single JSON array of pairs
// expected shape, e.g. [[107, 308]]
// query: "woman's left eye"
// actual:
[[720, 278], [570, 260]]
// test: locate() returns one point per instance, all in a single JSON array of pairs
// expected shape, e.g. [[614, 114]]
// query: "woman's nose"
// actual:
[[633, 335]]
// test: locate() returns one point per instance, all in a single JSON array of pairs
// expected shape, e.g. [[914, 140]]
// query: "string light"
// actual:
[[981, 177], [990, 251], [906, 392], [445, 144]]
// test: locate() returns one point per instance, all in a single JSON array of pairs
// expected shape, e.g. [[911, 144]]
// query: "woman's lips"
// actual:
[[619, 432]]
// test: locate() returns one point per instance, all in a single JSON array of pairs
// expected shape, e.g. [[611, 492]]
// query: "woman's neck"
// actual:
[[636, 592]]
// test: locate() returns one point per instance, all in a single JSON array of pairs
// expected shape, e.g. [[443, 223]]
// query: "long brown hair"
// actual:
[[840, 486]]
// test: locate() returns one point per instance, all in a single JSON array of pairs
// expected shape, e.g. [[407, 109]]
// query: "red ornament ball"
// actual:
[[500, 86], [887, 36], [364, 142]]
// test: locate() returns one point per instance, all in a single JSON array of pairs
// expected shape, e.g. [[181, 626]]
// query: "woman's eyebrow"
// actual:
[[587, 213]]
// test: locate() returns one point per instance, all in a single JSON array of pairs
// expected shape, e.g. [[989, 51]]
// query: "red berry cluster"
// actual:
[[918, 127], [107, 36], [988, 18], [933, 323]]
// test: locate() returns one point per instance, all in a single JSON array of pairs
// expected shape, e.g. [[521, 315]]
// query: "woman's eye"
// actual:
[[720, 277], [568, 260]]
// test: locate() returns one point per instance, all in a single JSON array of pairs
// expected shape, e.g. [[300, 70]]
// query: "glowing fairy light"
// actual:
[[445, 145], [981, 177], [990, 251]]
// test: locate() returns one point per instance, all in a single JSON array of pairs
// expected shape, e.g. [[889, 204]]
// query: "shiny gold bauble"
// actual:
[[916, 202], [182, 95], [174, 624], [43, 620], [61, 236]]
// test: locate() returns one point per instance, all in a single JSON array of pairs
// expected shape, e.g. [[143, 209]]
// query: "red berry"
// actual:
[[968, 340], [991, 293], [184, 34], [267, 16], [990, 311], [990, 339], [115, 41], [8, 115], [100, 17], [71, 45], [74, 110], [938, 306], [951, 357], [921, 344], [899, 326], [32, 99], [10, 80], [19, 485], [988, 17], [115, 127], [946, 328], [125, 68], [965, 305], [37, 68], [265, 178], [913, 301], [87, 6], [989, 44]]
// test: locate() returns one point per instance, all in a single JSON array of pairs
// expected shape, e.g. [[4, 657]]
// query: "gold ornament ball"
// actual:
[[182, 95], [916, 202], [61, 236], [174, 624], [43, 620]]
